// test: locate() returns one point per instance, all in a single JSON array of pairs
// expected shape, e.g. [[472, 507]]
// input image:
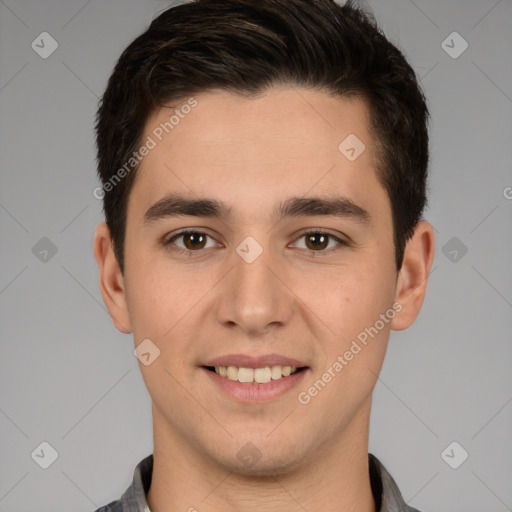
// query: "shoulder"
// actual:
[[114, 506], [385, 488], [134, 498]]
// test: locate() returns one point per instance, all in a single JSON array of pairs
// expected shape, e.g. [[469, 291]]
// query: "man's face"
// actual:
[[302, 287]]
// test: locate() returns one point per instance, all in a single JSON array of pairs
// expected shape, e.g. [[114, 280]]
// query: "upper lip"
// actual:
[[247, 361]]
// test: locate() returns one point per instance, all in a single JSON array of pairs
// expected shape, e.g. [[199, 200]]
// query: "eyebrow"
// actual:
[[316, 206], [177, 205]]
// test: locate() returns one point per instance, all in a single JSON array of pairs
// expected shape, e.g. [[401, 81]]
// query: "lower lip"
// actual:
[[252, 392]]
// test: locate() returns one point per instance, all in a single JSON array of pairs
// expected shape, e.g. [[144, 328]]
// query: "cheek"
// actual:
[[352, 355], [167, 302], [347, 299], [156, 298]]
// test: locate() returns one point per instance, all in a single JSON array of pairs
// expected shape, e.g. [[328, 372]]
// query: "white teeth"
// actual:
[[262, 375], [245, 374], [275, 371], [256, 375], [232, 373], [286, 371]]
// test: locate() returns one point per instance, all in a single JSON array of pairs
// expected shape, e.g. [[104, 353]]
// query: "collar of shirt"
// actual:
[[385, 491]]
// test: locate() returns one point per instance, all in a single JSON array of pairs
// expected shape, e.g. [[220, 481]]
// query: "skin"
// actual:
[[302, 302]]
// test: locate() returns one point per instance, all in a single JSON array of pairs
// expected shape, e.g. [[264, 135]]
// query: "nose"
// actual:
[[254, 297]]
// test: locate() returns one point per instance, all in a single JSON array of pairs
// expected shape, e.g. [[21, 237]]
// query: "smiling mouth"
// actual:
[[261, 375]]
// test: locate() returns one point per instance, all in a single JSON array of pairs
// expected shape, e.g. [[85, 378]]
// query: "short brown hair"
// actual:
[[245, 47]]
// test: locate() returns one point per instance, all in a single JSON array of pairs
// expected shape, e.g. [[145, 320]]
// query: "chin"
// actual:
[[262, 462]]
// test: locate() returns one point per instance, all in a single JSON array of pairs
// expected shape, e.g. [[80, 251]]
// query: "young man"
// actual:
[[263, 169]]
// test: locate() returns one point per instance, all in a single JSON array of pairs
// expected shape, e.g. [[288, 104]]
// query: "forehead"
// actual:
[[288, 140], [281, 119]]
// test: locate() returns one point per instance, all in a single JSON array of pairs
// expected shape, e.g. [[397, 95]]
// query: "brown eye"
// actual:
[[194, 241], [190, 241], [317, 241]]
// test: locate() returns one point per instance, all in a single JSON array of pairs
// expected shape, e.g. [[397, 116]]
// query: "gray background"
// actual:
[[69, 378]]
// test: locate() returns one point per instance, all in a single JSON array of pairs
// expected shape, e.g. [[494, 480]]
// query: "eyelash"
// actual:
[[169, 243]]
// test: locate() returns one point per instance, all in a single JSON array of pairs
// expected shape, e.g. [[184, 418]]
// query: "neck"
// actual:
[[335, 478]]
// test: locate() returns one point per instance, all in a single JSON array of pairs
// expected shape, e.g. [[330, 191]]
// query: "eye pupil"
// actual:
[[317, 241], [194, 240]]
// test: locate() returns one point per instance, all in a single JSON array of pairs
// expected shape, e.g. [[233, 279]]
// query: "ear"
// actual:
[[413, 276], [111, 279]]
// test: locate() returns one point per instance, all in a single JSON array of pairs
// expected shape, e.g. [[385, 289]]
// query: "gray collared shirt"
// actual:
[[385, 491]]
